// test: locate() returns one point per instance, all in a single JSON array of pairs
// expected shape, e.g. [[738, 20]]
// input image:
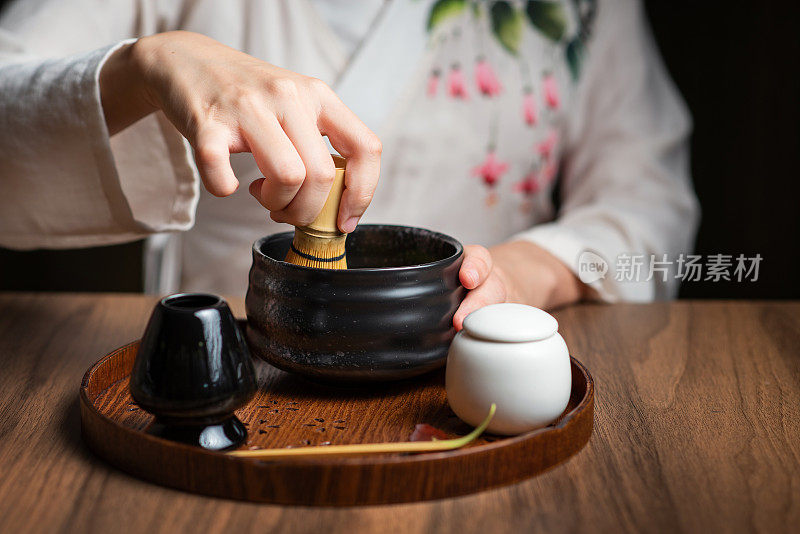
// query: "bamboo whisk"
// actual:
[[321, 243]]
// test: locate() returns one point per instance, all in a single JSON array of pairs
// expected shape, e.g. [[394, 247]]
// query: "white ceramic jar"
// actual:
[[511, 355]]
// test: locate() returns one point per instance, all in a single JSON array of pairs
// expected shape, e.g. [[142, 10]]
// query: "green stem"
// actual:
[[370, 448]]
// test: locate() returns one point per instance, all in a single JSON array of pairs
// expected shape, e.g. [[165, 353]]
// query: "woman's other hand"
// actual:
[[225, 101], [517, 271]]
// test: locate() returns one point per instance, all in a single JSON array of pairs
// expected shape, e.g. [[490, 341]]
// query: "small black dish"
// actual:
[[193, 369]]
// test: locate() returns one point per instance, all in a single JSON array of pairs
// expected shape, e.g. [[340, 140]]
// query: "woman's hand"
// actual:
[[224, 101], [518, 271]]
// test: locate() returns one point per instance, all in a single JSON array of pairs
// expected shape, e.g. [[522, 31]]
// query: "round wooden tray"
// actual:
[[290, 411]]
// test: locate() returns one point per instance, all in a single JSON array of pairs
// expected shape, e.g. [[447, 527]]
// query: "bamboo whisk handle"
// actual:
[[321, 244], [325, 224]]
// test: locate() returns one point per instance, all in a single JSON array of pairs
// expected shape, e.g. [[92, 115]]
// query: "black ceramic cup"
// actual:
[[193, 369], [389, 316]]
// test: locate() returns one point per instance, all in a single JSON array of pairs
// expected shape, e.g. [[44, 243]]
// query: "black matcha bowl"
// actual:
[[193, 369], [388, 316]]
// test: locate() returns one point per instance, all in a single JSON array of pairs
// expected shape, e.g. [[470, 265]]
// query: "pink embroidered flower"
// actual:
[[491, 169], [549, 171], [456, 86], [545, 148], [550, 87], [433, 82], [529, 111], [529, 185], [487, 81]]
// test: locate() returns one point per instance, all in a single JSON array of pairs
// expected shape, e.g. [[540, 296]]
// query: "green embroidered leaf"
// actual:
[[548, 17], [476, 9], [444, 9], [575, 52], [507, 25]]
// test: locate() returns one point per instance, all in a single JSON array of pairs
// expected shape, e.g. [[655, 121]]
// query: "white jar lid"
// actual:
[[510, 323]]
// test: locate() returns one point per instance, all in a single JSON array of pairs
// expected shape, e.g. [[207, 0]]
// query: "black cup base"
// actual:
[[220, 436]]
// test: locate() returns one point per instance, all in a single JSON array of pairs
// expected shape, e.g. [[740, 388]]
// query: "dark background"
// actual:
[[736, 65]]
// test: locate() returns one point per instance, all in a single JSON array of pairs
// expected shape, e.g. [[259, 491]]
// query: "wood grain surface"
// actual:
[[697, 420], [289, 411]]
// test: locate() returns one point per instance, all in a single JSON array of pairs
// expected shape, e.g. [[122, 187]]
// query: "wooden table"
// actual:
[[697, 430]]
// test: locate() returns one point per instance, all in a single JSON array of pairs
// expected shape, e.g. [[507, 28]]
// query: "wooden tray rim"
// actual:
[[370, 460], [348, 481]]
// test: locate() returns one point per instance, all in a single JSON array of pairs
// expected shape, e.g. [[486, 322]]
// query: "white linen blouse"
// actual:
[[475, 124]]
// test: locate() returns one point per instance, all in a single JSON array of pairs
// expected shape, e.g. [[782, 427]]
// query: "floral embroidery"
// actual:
[[529, 112], [548, 17], [485, 78], [546, 147], [507, 23], [456, 85], [529, 185], [549, 171], [491, 169], [551, 91], [576, 48]]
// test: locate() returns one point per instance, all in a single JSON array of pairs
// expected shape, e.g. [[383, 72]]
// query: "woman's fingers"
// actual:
[[361, 147], [320, 170], [225, 101], [476, 266], [360, 179], [212, 157], [492, 291], [276, 157]]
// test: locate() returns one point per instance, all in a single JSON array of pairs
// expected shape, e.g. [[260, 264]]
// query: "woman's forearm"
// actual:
[[122, 90]]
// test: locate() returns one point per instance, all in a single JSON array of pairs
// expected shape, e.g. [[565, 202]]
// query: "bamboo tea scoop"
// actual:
[[358, 449], [321, 244]]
